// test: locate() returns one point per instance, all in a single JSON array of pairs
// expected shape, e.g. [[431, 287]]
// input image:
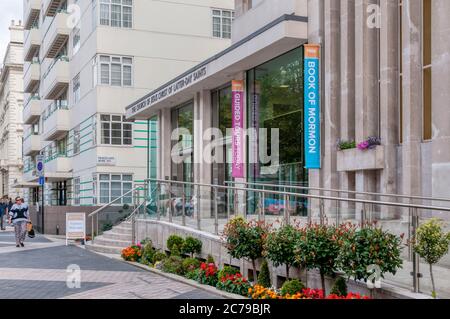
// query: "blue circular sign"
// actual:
[[40, 166]]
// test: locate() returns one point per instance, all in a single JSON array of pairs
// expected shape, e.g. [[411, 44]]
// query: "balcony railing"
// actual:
[[52, 108], [31, 11], [32, 76], [32, 43], [56, 35]]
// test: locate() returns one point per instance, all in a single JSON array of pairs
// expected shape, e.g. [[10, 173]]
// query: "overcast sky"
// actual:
[[9, 10]]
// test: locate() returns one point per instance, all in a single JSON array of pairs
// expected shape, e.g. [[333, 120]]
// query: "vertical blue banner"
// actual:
[[312, 106]]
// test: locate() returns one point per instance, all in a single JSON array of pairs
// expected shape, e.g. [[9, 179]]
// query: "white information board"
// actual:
[[75, 226]]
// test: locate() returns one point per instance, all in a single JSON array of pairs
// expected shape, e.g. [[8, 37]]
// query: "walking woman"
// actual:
[[19, 216]]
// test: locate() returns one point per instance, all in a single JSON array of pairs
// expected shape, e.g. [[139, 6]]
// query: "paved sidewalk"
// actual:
[[39, 271]]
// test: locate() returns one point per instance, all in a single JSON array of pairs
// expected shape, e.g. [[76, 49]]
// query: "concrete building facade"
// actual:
[[85, 60], [384, 74], [11, 103]]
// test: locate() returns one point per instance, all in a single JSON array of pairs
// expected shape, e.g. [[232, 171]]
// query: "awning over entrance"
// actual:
[[25, 185], [281, 35]]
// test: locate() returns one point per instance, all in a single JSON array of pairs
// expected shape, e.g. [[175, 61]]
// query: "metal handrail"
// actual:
[[265, 191], [95, 212], [413, 224], [101, 209], [333, 190]]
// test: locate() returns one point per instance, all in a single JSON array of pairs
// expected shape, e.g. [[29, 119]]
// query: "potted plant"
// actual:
[[280, 247], [245, 240], [431, 243]]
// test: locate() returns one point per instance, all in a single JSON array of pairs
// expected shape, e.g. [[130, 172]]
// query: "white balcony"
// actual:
[[32, 145], [32, 110], [56, 79], [32, 44], [32, 77], [50, 7], [56, 125], [31, 11], [56, 35], [58, 168], [30, 175]]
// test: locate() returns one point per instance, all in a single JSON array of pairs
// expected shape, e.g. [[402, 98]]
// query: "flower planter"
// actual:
[[358, 160]]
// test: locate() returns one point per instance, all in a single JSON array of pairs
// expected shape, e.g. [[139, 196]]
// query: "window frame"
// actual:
[[110, 130], [112, 60], [221, 24], [102, 181], [107, 18]]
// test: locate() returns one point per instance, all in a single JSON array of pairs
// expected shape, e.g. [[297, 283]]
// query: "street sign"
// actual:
[[40, 166], [41, 180]]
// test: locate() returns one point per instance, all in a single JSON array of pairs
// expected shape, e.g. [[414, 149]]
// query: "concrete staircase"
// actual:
[[112, 241]]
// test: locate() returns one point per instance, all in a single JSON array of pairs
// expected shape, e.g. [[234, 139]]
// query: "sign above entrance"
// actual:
[[312, 106], [169, 89], [237, 112]]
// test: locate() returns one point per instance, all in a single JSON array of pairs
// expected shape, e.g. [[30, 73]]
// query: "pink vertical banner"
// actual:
[[237, 109]]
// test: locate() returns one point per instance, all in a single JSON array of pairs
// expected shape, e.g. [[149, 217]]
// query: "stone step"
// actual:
[[121, 230], [102, 241], [103, 249], [112, 235]]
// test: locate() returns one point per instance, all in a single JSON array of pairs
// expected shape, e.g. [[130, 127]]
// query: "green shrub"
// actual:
[[245, 240], [318, 248], [235, 284], [173, 265], [158, 256], [193, 275], [148, 252], [431, 243], [210, 259], [174, 240], [191, 246], [227, 270], [292, 287], [190, 265], [107, 226], [264, 275], [339, 287], [369, 246], [280, 247], [175, 251]]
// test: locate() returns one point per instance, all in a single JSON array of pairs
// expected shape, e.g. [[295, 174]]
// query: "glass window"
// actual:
[[76, 40], [115, 131], [76, 140], [275, 101], [116, 13], [76, 89], [222, 21], [76, 191], [114, 186], [116, 71], [427, 70]]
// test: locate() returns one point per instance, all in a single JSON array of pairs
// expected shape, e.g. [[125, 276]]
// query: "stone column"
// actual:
[[366, 88], [331, 102], [165, 144], [389, 100], [441, 99], [315, 35], [412, 97], [347, 116], [202, 170]]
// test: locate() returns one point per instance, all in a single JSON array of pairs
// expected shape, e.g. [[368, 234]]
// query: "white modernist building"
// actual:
[[85, 60], [11, 101]]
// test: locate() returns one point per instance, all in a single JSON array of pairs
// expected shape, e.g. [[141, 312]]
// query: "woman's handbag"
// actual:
[[30, 230]]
